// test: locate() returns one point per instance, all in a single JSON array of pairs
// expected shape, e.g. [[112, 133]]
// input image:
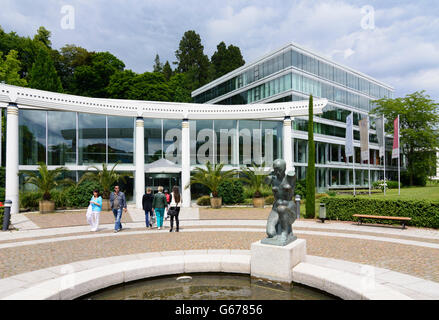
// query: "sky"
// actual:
[[396, 42]]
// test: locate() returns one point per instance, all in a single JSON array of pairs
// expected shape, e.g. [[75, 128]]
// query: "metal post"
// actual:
[[7, 215], [297, 206]]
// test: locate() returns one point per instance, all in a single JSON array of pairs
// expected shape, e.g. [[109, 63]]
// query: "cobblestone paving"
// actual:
[[71, 218], [234, 213], [414, 260]]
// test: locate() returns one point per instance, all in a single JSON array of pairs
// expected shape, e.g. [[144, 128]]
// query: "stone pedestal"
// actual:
[[275, 263]]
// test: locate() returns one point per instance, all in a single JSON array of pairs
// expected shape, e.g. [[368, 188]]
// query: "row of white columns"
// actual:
[[12, 152]]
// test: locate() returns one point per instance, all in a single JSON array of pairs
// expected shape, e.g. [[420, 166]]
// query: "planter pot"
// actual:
[[106, 205], [258, 202], [46, 206], [216, 202]]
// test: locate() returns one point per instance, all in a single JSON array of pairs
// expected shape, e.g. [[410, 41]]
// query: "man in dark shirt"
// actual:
[[118, 203], [147, 207]]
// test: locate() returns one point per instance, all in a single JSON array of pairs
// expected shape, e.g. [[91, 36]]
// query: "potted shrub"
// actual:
[[255, 177], [106, 178], [46, 181], [211, 177]]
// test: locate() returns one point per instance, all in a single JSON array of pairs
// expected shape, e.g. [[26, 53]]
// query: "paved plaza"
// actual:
[[44, 241]]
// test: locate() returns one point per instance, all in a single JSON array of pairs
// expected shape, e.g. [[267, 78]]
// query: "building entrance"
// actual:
[[166, 180]]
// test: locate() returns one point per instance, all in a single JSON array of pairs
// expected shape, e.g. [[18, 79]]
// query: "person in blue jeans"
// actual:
[[159, 204], [118, 203], [147, 207]]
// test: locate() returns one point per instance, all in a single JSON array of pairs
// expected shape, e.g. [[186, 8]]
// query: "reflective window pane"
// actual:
[[61, 138], [153, 140], [120, 139], [92, 139], [32, 137], [172, 140]]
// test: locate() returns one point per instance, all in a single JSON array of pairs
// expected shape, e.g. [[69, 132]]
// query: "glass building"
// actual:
[[293, 73]]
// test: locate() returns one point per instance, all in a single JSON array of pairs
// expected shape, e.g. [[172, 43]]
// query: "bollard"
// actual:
[[7, 215], [322, 212], [297, 205]]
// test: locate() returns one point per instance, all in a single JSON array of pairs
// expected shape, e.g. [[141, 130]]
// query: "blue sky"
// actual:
[[400, 47]]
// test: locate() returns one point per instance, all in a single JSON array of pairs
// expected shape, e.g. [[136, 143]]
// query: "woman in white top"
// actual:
[[175, 205]]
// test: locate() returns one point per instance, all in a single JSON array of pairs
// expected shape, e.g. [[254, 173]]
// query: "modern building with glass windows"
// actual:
[[292, 73], [156, 143]]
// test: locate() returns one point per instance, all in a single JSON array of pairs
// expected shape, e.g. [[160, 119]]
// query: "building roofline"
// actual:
[[272, 53]]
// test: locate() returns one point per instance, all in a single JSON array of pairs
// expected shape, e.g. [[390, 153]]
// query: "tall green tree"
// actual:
[[92, 80], [43, 74], [158, 66], [179, 87], [419, 135], [10, 68], [43, 35], [192, 60], [121, 84], [226, 59], [311, 169], [167, 71]]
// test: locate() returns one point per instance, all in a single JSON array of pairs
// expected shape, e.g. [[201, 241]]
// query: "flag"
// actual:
[[395, 152], [364, 138], [349, 149], [379, 123]]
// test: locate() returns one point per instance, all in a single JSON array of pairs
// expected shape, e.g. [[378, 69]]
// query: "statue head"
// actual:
[[279, 167]]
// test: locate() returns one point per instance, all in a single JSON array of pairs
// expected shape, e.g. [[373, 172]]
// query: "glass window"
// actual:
[[202, 140], [271, 141], [120, 139], [153, 140], [227, 143], [172, 140], [297, 60], [287, 58], [32, 135], [61, 137], [92, 139], [250, 142]]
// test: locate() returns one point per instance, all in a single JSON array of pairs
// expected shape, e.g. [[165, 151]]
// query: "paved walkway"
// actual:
[[414, 251]]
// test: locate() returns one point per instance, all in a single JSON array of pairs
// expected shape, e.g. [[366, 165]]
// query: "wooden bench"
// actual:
[[403, 220]]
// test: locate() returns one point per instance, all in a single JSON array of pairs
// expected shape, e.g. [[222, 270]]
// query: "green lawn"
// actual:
[[407, 193]]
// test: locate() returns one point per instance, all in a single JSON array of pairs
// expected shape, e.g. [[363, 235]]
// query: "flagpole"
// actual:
[[384, 146], [399, 163]]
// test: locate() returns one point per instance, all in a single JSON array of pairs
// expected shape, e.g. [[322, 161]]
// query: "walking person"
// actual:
[[168, 200], [159, 204], [147, 207], [118, 203], [174, 208], [96, 207]]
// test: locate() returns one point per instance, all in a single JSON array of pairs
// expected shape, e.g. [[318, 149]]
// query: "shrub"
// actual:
[[332, 193], [2, 210], [2, 194], [423, 213], [269, 200], [79, 196], [321, 195], [231, 191], [265, 191], [30, 199], [301, 188], [61, 198], [203, 201], [390, 184], [2, 177], [248, 201]]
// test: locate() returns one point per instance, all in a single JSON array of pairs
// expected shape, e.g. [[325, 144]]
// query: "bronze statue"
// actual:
[[283, 213]]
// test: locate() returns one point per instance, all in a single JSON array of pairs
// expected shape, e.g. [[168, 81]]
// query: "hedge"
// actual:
[[2, 210], [231, 192], [423, 213]]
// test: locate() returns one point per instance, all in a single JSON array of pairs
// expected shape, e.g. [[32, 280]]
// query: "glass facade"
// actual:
[[120, 139], [32, 137], [61, 143], [92, 139]]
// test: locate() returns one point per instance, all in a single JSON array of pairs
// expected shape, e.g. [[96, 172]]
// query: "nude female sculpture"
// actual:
[[283, 213]]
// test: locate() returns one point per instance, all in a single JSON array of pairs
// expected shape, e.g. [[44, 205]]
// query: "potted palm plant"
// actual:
[[46, 181], [106, 178], [255, 177], [211, 177]]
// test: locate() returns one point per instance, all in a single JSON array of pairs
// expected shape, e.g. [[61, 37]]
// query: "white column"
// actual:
[[140, 162], [12, 157], [287, 144], [185, 163]]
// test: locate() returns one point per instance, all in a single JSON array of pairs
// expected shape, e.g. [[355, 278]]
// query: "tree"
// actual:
[[149, 86], [10, 68], [43, 74], [310, 171], [419, 136], [226, 59], [105, 177], [179, 87], [46, 180], [158, 66], [120, 84], [92, 80], [211, 176], [167, 71], [43, 35], [192, 60]]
